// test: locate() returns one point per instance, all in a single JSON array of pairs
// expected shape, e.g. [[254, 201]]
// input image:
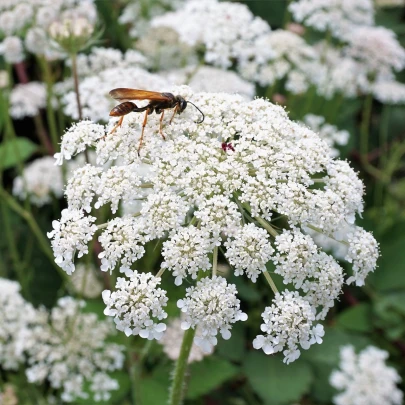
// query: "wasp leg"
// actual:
[[161, 125], [145, 120], [174, 113], [117, 125]]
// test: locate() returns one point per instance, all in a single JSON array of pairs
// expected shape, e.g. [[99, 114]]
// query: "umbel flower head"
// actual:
[[364, 378], [69, 348], [211, 187]]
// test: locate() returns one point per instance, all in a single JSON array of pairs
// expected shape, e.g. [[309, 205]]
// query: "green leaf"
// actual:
[[275, 382], [357, 318], [327, 353], [154, 389], [234, 348], [390, 275], [208, 375], [16, 151]]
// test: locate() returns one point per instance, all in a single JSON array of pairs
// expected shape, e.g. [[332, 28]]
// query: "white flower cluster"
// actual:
[[290, 58], [329, 133], [211, 186], [248, 251], [338, 16], [226, 30], [70, 235], [389, 92], [378, 51], [363, 252], [69, 348], [299, 262], [29, 21], [40, 180], [287, 324], [26, 100], [79, 136], [171, 342], [364, 378], [211, 306], [137, 305], [211, 79], [100, 59], [138, 15], [16, 317]]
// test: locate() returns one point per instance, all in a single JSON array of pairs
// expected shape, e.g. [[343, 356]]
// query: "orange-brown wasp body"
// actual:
[[158, 102]]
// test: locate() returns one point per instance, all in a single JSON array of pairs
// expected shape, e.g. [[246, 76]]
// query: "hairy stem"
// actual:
[[177, 388]]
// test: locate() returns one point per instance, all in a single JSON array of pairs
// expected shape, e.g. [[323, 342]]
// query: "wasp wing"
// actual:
[[134, 94]]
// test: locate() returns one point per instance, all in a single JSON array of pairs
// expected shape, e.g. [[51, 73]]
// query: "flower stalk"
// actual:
[[177, 389]]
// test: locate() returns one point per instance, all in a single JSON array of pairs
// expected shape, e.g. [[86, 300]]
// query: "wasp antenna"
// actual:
[[203, 116]]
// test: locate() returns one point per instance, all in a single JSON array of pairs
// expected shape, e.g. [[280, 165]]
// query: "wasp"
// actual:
[[158, 102]]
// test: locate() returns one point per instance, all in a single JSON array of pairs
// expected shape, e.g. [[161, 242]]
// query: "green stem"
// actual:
[[270, 281], [46, 70], [383, 135], [215, 261], [177, 388], [266, 226], [364, 138]]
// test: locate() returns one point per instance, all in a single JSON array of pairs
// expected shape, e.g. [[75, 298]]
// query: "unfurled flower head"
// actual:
[[40, 180], [211, 306], [71, 235], [29, 22], [171, 342], [85, 282], [365, 378], [16, 316], [248, 251], [338, 16], [378, 51], [27, 99], [226, 31], [69, 349], [363, 253], [329, 133], [287, 324], [137, 305], [12, 49], [71, 34]]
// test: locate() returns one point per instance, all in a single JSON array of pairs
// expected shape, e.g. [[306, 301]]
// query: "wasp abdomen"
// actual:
[[122, 109]]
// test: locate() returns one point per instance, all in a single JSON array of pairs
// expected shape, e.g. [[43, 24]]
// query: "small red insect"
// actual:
[[227, 146]]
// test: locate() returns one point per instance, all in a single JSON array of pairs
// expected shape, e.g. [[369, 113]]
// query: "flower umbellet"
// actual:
[[200, 199]]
